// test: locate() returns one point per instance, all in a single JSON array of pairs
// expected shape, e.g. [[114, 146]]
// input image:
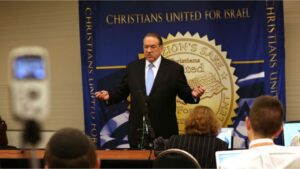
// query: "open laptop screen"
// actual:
[[222, 156], [290, 129], [226, 134]]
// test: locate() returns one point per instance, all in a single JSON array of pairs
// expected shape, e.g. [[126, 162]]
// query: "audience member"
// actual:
[[70, 148], [201, 129], [3, 136], [264, 123]]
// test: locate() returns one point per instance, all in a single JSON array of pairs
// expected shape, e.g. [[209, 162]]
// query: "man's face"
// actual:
[[152, 49]]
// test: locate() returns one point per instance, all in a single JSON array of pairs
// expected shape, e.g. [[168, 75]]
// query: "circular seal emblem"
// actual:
[[206, 65]]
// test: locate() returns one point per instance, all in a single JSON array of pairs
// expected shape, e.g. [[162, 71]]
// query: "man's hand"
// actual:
[[198, 91], [102, 95]]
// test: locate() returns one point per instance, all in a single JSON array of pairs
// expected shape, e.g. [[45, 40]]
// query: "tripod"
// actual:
[[31, 135]]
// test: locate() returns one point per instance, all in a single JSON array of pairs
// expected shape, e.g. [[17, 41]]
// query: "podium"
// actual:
[[109, 158]]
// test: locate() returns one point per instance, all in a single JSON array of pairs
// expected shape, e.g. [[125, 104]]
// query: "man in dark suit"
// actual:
[[159, 96]]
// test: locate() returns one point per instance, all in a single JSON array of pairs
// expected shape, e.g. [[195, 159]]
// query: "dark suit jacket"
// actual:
[[169, 82], [202, 147]]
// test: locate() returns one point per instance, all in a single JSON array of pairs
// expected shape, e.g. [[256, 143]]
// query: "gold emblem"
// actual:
[[206, 65]]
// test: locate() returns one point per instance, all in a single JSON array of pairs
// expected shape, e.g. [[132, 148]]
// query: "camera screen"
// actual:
[[29, 67]]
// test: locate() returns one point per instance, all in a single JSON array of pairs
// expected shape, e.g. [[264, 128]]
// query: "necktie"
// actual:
[[150, 78]]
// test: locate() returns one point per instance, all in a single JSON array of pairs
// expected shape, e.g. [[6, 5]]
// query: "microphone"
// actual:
[[142, 102], [146, 126]]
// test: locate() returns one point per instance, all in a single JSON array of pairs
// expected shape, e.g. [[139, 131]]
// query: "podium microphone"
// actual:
[[142, 102]]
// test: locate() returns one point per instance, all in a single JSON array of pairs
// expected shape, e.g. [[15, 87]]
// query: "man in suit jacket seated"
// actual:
[[201, 129], [264, 123], [70, 148]]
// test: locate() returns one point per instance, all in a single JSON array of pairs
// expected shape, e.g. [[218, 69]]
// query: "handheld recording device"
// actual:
[[29, 83]]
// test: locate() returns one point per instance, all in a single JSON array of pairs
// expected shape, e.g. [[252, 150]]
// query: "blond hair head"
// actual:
[[202, 121]]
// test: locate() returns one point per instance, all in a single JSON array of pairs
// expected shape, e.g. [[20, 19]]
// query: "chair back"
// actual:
[[175, 158]]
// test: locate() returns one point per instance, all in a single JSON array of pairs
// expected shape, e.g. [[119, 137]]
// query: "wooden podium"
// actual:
[[102, 154], [109, 158]]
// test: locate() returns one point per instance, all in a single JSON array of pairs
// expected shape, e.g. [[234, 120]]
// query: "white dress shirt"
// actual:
[[264, 154], [155, 68]]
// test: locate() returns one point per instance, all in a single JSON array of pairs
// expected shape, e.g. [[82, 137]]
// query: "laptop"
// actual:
[[226, 134], [290, 129], [222, 156]]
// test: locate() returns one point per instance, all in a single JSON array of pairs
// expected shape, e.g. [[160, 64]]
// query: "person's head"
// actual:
[[153, 46], [70, 148], [265, 118], [202, 121]]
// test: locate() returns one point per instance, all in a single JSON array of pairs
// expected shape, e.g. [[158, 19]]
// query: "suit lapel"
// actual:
[[141, 76]]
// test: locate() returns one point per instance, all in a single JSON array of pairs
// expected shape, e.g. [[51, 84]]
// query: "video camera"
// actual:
[[29, 83]]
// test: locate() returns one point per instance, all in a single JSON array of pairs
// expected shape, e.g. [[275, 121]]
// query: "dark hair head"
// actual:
[[202, 120], [155, 35], [70, 148], [266, 115]]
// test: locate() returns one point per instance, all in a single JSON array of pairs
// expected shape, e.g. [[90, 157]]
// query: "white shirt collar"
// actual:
[[260, 141]]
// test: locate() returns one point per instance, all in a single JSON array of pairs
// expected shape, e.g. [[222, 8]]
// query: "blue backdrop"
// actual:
[[235, 49]]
